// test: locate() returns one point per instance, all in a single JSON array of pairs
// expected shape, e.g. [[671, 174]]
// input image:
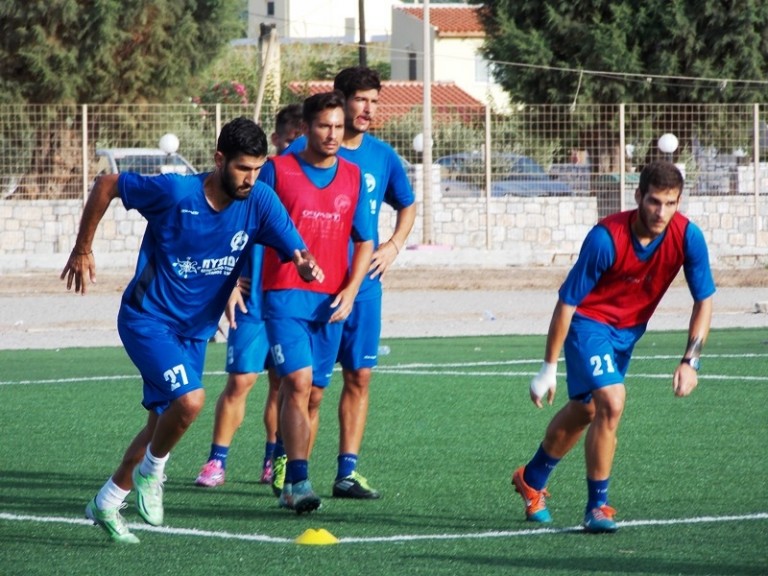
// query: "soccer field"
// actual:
[[450, 419]]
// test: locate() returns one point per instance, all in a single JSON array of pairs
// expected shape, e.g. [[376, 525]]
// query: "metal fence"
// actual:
[[50, 152]]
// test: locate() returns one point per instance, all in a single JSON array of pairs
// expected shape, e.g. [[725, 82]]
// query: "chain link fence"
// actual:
[[49, 152], [535, 152]]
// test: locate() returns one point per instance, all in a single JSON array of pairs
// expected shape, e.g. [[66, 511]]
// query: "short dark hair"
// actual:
[[351, 80], [242, 136], [288, 117], [660, 174], [319, 102]]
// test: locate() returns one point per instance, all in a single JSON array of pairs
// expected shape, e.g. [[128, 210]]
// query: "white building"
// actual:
[[456, 40], [321, 20]]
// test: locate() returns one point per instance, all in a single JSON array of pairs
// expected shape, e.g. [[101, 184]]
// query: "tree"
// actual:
[[559, 51], [67, 52], [109, 51]]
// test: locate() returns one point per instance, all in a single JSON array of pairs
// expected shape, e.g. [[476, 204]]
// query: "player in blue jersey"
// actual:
[[385, 182], [247, 349], [198, 226], [627, 262], [325, 196]]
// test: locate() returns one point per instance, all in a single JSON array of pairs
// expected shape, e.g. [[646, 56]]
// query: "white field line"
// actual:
[[425, 368], [383, 539], [631, 375]]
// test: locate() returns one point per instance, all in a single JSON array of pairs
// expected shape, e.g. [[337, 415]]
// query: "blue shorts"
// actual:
[[297, 343], [360, 337], [169, 364], [247, 346], [596, 355]]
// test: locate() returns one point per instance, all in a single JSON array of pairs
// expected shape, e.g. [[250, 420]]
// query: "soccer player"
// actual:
[[198, 226], [627, 262], [247, 350], [325, 196], [385, 182]]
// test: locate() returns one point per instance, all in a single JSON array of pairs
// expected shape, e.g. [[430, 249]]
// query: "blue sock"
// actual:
[[279, 448], [219, 453], [537, 471], [269, 450], [597, 493], [296, 471], [346, 465]]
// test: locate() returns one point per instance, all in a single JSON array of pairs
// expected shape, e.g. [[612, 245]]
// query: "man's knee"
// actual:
[[357, 380], [190, 405]]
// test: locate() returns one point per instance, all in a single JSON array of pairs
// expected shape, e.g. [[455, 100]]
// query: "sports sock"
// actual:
[[219, 452], [279, 448], [111, 496], [296, 471], [537, 471], [597, 493], [152, 465], [347, 463], [269, 451]]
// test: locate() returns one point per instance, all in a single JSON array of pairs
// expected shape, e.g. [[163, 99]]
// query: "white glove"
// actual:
[[545, 380]]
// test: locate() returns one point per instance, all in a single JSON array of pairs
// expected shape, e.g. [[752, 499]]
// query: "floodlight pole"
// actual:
[[362, 48], [426, 157]]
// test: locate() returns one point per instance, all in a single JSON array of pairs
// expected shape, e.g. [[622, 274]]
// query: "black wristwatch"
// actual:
[[693, 362]]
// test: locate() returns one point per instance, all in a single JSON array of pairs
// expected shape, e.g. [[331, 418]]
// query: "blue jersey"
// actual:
[[252, 269], [190, 254], [385, 181], [598, 254], [306, 304]]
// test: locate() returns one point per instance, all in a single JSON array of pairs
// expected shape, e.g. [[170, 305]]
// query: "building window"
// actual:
[[411, 65], [270, 8]]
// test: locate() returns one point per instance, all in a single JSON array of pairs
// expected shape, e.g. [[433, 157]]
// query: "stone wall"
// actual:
[[523, 232]]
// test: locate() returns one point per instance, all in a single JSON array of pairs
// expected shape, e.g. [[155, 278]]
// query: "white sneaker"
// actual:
[[149, 497], [112, 522]]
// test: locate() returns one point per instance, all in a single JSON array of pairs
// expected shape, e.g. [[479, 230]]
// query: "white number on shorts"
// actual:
[[171, 376], [597, 364], [277, 354]]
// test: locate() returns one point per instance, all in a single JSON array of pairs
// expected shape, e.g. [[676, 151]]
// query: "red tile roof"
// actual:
[[451, 21], [398, 98]]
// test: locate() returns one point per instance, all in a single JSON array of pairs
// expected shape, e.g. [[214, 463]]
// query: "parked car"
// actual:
[[142, 160], [511, 175]]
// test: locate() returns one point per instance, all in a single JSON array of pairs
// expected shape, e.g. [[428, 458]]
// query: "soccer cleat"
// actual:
[[112, 522], [149, 497], [211, 475], [266, 472], [354, 486], [278, 474], [535, 500], [599, 520], [284, 500], [299, 497]]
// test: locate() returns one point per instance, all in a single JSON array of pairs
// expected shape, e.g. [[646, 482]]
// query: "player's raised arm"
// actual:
[[81, 258]]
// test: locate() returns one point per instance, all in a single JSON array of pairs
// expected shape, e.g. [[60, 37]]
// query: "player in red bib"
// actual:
[[625, 266], [325, 198]]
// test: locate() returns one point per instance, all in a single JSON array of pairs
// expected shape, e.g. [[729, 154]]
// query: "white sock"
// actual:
[[152, 465], [111, 496]]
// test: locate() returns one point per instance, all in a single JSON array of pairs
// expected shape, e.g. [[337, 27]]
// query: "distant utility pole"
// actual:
[[362, 50]]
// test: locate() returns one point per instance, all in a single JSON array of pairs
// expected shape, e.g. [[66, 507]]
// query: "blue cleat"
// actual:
[[299, 497], [599, 520]]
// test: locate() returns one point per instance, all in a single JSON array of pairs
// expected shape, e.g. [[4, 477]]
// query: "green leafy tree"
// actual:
[[60, 53], [629, 51], [109, 51]]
